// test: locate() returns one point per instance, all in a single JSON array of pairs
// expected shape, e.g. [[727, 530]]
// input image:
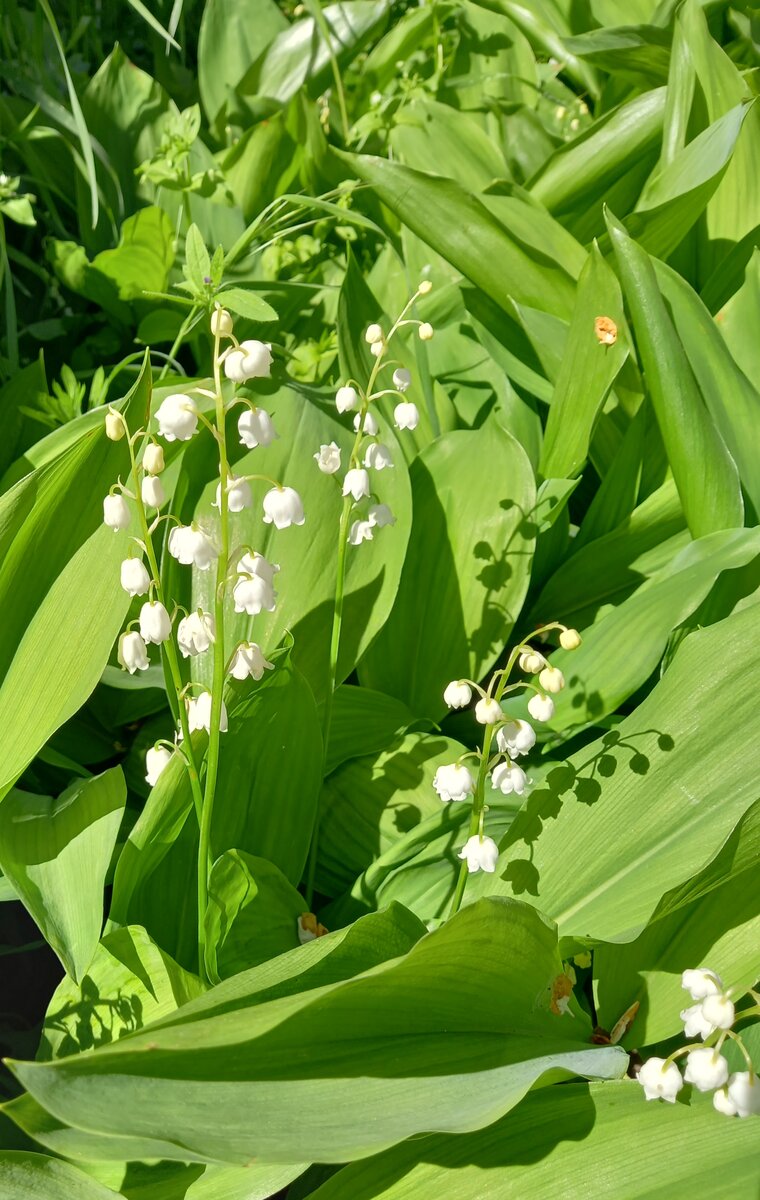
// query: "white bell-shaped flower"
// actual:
[[155, 623], [377, 348], [531, 662], [157, 759], [488, 711], [253, 595], [361, 531], [238, 494], [115, 429], [377, 457], [706, 1069], [328, 458], [347, 399], [116, 513], [741, 1095], [199, 713], [457, 694], [368, 426], [221, 323], [541, 707], [248, 660], [695, 1024], [401, 379], [190, 545], [569, 639], [480, 853], [152, 491], [508, 778], [134, 577], [195, 633], [659, 1084], [177, 418], [425, 331], [283, 507], [256, 564], [380, 515], [153, 458], [700, 982], [515, 738], [256, 428], [551, 679], [252, 360], [719, 1011], [453, 782], [374, 333], [356, 483], [406, 415], [132, 653]]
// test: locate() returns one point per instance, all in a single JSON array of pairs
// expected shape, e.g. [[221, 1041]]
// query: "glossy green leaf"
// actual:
[[363, 722], [252, 914], [246, 303], [602, 1139], [467, 568], [464, 1019], [711, 498], [430, 136], [233, 34], [26, 1176], [56, 853]]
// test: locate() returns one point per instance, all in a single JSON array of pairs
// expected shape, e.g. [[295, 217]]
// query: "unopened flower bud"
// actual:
[[153, 458], [308, 928], [377, 348], [453, 782], [347, 399], [541, 707], [374, 334], [155, 623], [425, 331], [114, 425], [551, 679], [569, 639], [531, 662], [157, 760], [458, 694], [221, 323], [425, 286], [283, 507], [488, 711], [152, 491], [116, 513], [480, 854], [132, 653], [134, 577]]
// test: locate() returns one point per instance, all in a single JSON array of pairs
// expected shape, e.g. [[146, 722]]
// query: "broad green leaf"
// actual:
[[543, 26], [307, 556], [459, 226], [467, 567], [252, 914], [26, 1176], [248, 304], [712, 919], [601, 1139], [372, 800], [129, 982], [711, 498], [363, 722], [449, 1037], [642, 51], [59, 586], [233, 34], [587, 372], [436, 138], [197, 261], [56, 853]]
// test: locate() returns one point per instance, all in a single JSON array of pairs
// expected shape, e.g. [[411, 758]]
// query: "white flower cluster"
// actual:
[[196, 545], [736, 1094]]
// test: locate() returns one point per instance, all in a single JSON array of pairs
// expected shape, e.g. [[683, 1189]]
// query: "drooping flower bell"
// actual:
[[695, 1024], [488, 711], [134, 577], [515, 738], [252, 360], [457, 694], [406, 415], [256, 564], [157, 759], [347, 399], [700, 982], [508, 778], [569, 639], [531, 662], [199, 713], [741, 1095], [256, 428], [659, 1084], [190, 545], [706, 1069], [380, 515], [177, 418], [361, 531], [153, 458], [152, 491], [283, 507], [328, 458], [253, 595], [541, 707], [155, 623], [378, 457], [238, 494], [116, 514], [132, 653], [248, 660], [480, 853], [195, 633], [356, 483], [453, 782], [401, 379], [551, 679], [719, 1011], [368, 426], [374, 333]]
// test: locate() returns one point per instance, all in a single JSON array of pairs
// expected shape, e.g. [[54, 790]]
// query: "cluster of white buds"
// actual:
[[514, 738], [198, 544], [711, 1018]]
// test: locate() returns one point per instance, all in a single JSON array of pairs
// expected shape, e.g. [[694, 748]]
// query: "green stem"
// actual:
[[168, 649], [217, 690], [316, 9]]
